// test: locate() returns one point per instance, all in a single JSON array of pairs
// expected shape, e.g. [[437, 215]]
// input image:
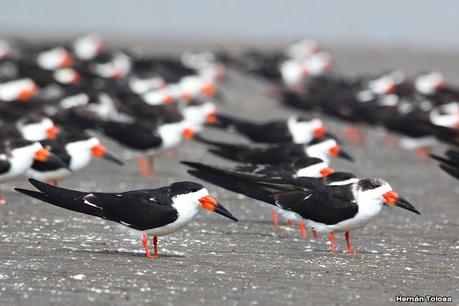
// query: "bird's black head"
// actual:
[[369, 183], [318, 140], [306, 162], [338, 177], [32, 119], [304, 118], [185, 187]]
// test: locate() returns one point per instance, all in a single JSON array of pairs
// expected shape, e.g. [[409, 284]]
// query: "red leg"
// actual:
[[143, 166], [2, 199], [51, 182], [314, 234], [289, 222], [332, 241], [422, 153], [304, 233], [155, 244], [151, 165], [147, 250], [275, 218], [354, 135], [348, 242]]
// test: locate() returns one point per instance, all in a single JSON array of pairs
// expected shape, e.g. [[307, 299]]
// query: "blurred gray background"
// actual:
[[412, 24]]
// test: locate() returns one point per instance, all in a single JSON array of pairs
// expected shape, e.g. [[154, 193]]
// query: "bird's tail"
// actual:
[[61, 197], [230, 182]]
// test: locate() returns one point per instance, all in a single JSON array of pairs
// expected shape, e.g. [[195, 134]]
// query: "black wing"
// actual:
[[261, 174], [140, 209], [236, 185], [268, 132], [328, 205]]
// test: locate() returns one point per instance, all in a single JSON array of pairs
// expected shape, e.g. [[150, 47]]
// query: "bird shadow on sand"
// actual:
[[125, 253]]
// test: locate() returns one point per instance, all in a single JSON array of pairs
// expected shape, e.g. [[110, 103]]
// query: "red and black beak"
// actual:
[[212, 118], [338, 151], [28, 92], [211, 204], [320, 131], [188, 133], [100, 151], [393, 199], [327, 171], [45, 156], [52, 132]]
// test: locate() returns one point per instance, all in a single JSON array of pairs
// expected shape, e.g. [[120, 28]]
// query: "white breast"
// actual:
[[187, 207]]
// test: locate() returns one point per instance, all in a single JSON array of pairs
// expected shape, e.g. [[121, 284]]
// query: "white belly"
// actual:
[[362, 218], [169, 228]]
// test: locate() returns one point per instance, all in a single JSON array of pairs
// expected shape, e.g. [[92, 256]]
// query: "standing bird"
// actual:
[[263, 188], [156, 212], [76, 150], [341, 208], [323, 148], [17, 156], [298, 130]]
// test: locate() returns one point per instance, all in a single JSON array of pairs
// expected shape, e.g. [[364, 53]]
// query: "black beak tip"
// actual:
[[113, 159], [402, 203], [224, 212], [345, 155]]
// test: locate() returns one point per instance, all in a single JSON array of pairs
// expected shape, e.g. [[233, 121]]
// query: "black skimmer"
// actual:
[[144, 136], [155, 212], [322, 148], [29, 127], [264, 188], [298, 130], [18, 155], [75, 150], [304, 167], [341, 208]]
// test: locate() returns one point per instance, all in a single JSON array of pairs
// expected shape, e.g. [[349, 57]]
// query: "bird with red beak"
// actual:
[[342, 208], [155, 212], [76, 150]]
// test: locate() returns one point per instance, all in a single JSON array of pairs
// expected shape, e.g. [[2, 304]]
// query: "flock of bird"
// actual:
[[56, 99]]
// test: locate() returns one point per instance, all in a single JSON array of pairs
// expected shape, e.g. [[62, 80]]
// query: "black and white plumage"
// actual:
[[323, 148], [264, 188], [304, 167], [76, 150], [156, 212], [298, 130], [341, 208], [17, 156]]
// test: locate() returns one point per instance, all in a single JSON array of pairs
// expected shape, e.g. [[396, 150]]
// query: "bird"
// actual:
[[156, 212], [341, 208], [303, 167], [296, 129], [76, 149], [322, 148], [18, 155], [143, 136], [263, 188]]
